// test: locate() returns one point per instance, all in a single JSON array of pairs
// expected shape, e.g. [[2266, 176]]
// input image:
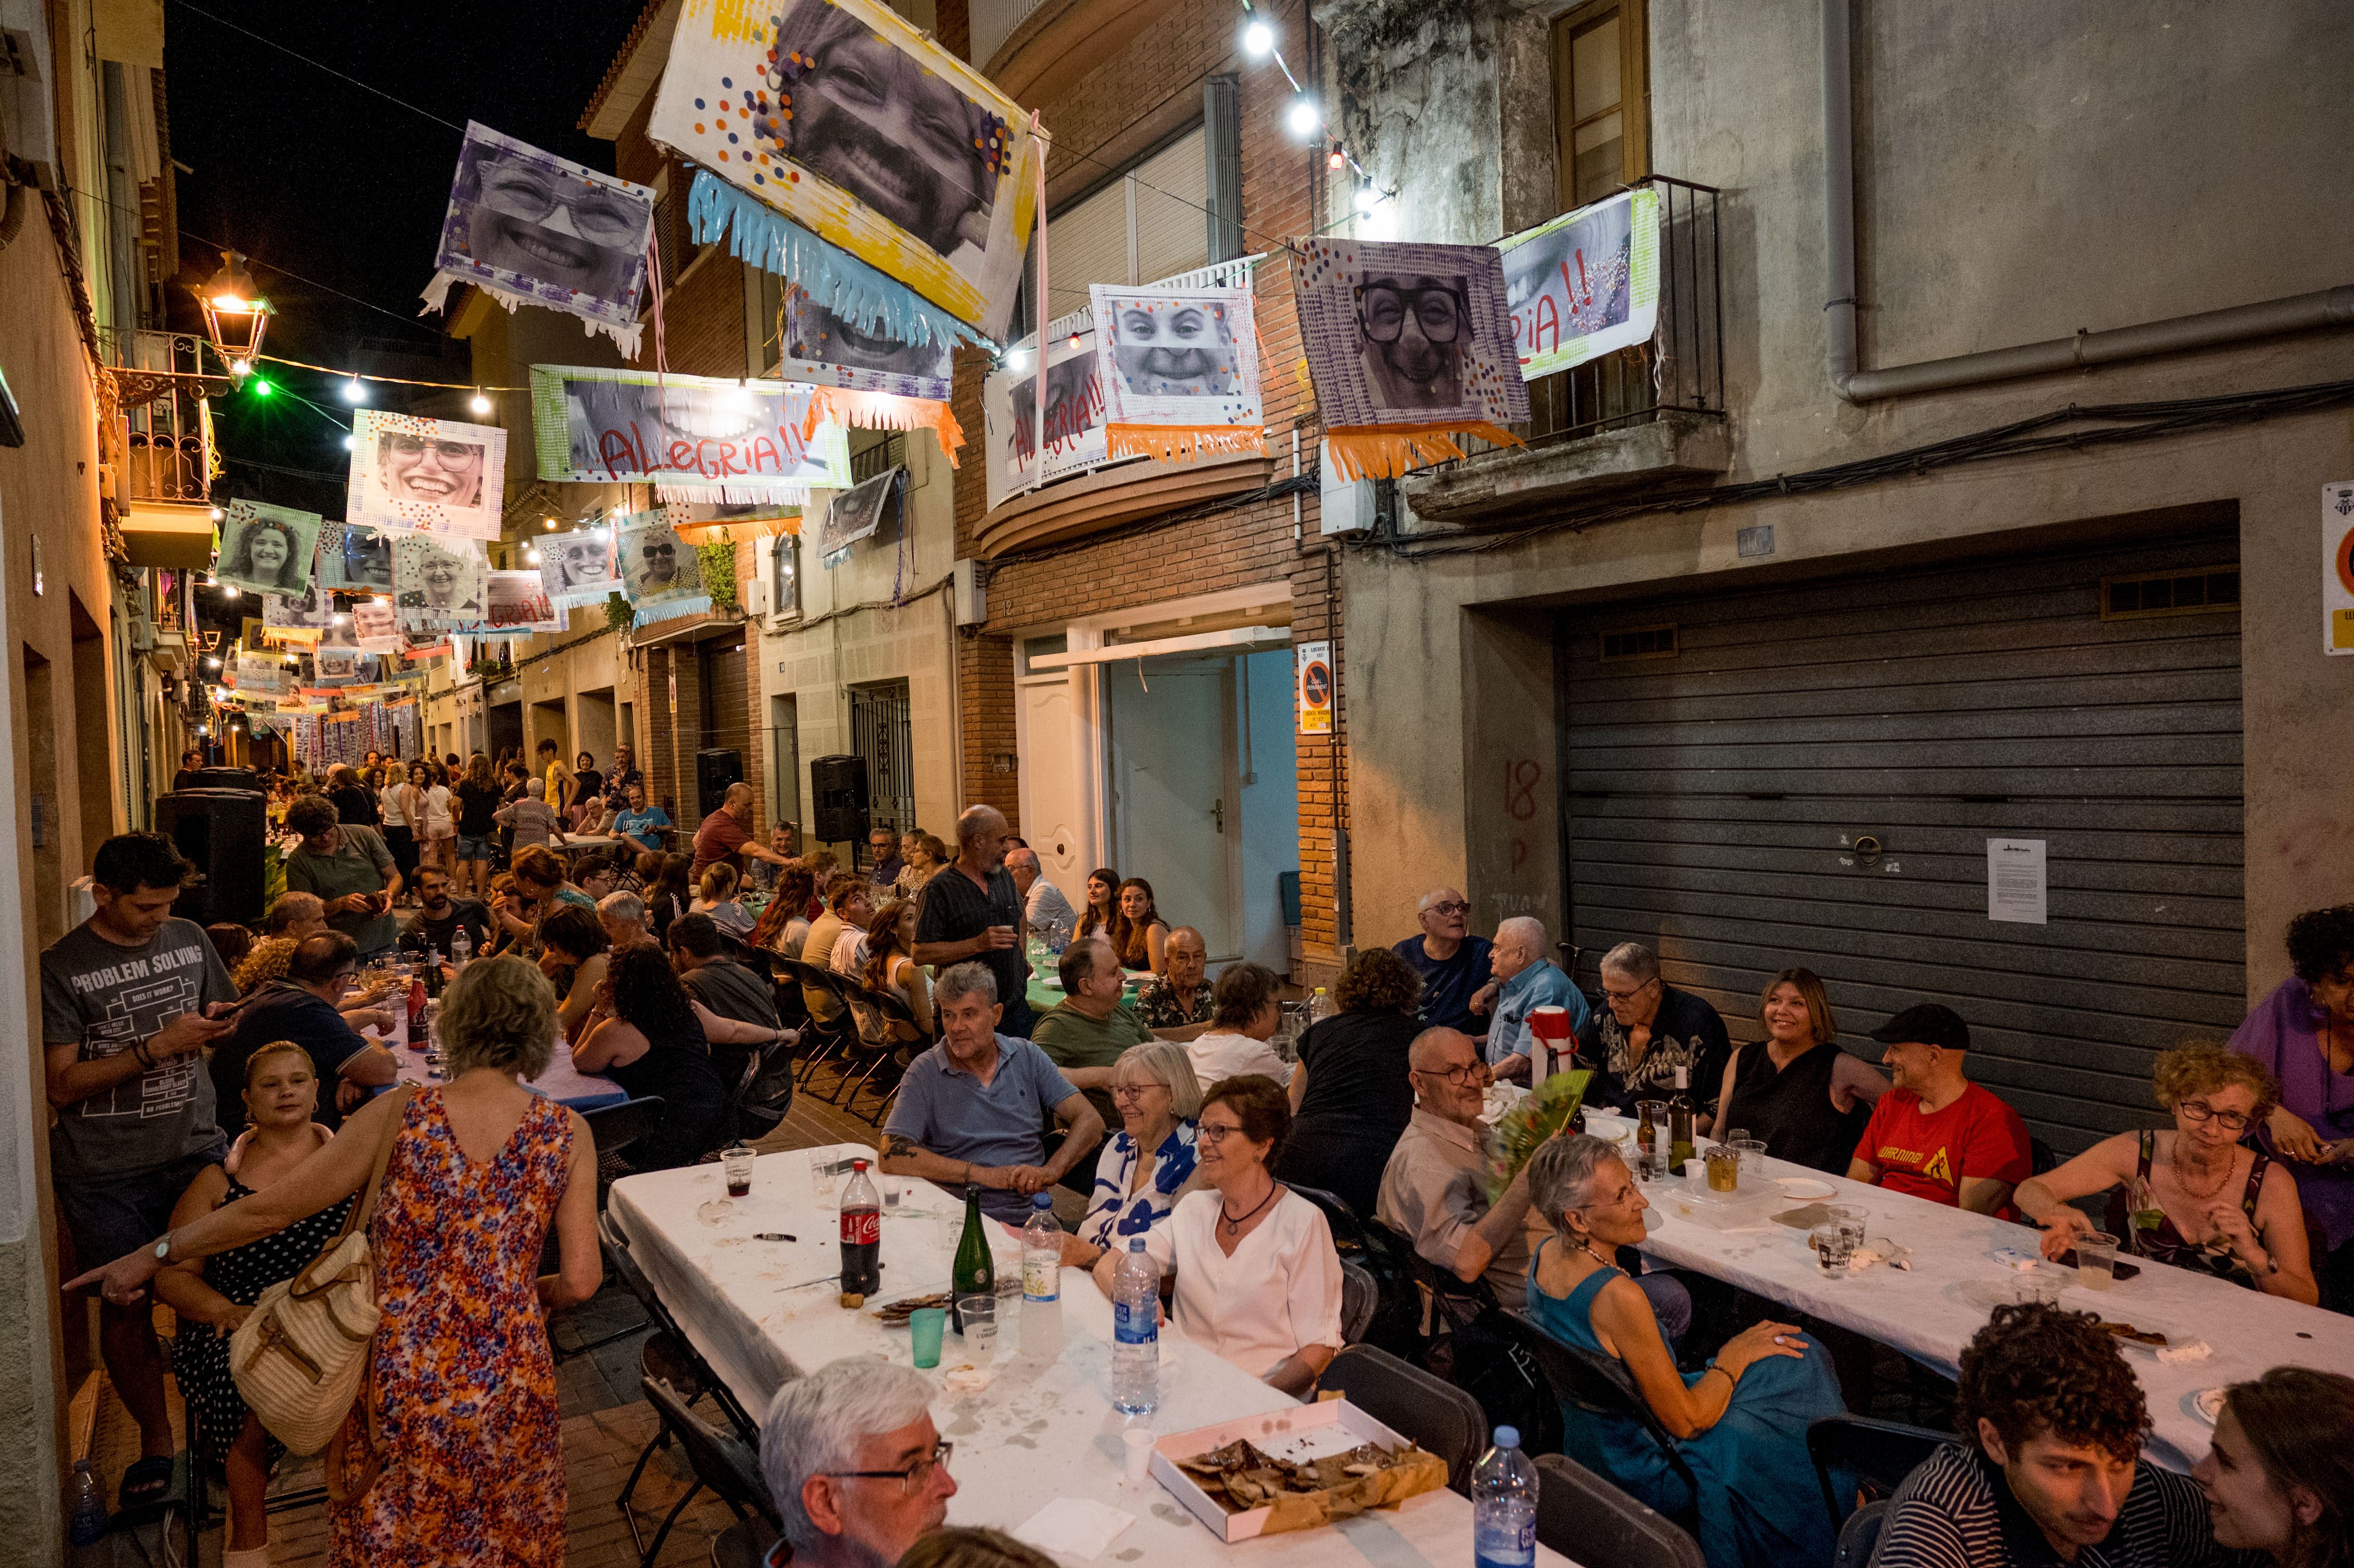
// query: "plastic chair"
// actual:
[[1348, 1229], [766, 1095], [1595, 1384], [1440, 1418], [1584, 1516], [1360, 1299], [1881, 1453], [725, 1464], [1859, 1536]]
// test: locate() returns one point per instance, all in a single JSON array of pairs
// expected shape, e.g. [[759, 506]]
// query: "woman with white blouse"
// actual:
[[1151, 1162], [1257, 1278]]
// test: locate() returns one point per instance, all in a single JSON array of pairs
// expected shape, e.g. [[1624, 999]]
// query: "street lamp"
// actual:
[[236, 313]]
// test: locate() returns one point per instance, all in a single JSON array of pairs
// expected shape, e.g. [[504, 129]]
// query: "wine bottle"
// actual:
[[1679, 1122], [1647, 1136], [973, 1273]]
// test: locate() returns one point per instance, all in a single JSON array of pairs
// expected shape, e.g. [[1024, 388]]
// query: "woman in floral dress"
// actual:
[[450, 1455]]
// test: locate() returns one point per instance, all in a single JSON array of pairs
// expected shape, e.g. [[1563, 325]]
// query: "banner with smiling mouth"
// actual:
[[693, 438], [1179, 369], [528, 227], [415, 476]]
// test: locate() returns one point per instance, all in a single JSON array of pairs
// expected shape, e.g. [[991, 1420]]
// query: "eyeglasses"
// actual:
[[1627, 995], [448, 452], [2199, 1111], [1457, 1075], [1214, 1133], [1452, 906], [531, 194], [1382, 309], [910, 1479], [1135, 1091]]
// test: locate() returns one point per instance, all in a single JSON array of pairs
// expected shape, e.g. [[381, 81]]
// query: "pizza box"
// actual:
[[1302, 1432]]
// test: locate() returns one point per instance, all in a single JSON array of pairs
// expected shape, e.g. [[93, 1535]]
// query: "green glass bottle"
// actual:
[[1679, 1122], [974, 1273]]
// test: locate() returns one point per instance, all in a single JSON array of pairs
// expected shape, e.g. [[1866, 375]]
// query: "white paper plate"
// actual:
[[2207, 1404], [1804, 1187]]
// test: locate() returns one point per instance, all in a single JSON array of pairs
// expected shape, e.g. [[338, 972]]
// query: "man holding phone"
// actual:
[[350, 869]]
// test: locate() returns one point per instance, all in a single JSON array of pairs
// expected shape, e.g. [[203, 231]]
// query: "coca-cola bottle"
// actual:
[[862, 1234]]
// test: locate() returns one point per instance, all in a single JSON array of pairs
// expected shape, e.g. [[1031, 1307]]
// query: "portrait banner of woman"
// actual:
[[661, 575], [438, 581], [1179, 370], [415, 476], [578, 568], [267, 549], [856, 126], [528, 227], [833, 351]]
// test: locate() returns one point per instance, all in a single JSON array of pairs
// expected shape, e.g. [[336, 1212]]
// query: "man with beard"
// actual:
[[1174, 349], [875, 121], [533, 218], [429, 470], [1411, 331]]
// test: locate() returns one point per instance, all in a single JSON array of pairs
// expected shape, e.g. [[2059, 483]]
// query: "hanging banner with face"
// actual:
[[267, 549], [528, 227], [354, 557], [853, 125], [1179, 370], [578, 568], [661, 575], [693, 437], [1074, 419], [1586, 283], [416, 475], [375, 627], [519, 602], [439, 582], [259, 675], [829, 350], [294, 620], [857, 513], [1408, 346]]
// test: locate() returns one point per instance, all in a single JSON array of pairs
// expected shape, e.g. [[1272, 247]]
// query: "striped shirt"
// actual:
[[1956, 1510]]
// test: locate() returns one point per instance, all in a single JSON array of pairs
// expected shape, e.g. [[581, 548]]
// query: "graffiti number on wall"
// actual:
[[1521, 774]]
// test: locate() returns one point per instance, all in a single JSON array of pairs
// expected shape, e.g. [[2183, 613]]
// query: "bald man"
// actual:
[[726, 835], [1526, 980], [972, 911], [1452, 962], [1050, 914]]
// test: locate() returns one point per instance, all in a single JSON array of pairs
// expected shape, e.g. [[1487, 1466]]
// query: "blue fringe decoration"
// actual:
[[840, 281], [673, 609]]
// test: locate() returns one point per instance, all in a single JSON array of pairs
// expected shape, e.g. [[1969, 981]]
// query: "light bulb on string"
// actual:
[[261, 387], [354, 392], [1302, 117], [532, 556], [1366, 197], [1258, 39], [1075, 342], [240, 368], [216, 514], [1017, 359], [229, 591], [480, 402], [548, 523]]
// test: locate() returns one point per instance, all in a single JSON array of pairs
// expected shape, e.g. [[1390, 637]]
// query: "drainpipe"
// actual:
[[2177, 335]]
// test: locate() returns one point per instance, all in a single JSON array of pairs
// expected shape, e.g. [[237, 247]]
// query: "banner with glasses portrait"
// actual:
[[1074, 419], [578, 568], [439, 583], [415, 476], [1179, 370], [354, 557], [661, 577], [828, 350], [528, 227], [855, 126], [1586, 283], [1408, 346], [693, 437]]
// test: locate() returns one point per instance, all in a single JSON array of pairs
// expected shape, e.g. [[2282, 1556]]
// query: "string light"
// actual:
[[532, 556], [229, 591], [479, 403], [216, 514], [354, 392], [1302, 116], [1258, 39]]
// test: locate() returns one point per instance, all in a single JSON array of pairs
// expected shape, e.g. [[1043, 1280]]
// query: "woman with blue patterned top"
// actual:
[[1158, 1096]]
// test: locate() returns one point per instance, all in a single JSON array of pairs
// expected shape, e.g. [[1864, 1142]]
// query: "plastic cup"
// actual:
[[2096, 1260], [979, 1325], [1850, 1218], [925, 1326], [822, 1175], [736, 1161], [1833, 1247], [947, 1229], [1137, 1456], [1753, 1156]]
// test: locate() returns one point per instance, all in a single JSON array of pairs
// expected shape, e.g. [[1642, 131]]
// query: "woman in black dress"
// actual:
[[655, 1039], [1350, 1090], [1796, 1089], [214, 1295]]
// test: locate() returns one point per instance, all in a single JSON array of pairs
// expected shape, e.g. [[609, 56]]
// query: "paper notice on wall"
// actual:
[[2015, 881], [2338, 569]]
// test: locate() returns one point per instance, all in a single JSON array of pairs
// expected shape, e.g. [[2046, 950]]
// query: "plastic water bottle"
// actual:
[[1136, 1332], [1320, 1006], [1041, 1281], [85, 1507], [1504, 1505], [462, 948]]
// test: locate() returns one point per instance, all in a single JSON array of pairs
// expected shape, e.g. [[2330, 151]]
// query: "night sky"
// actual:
[[307, 171]]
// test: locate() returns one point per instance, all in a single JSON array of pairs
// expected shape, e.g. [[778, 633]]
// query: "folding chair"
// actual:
[[1348, 1229], [615, 1127], [1859, 1536], [1881, 1453], [1440, 1418], [1581, 1515], [832, 1034], [1595, 1385], [888, 1036], [727, 1466], [1360, 1299]]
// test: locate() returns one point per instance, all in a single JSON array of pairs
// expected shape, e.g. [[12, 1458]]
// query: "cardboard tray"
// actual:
[[1304, 1432]]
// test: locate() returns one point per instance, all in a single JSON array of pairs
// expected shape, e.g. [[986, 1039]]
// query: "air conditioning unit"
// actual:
[[968, 588], [756, 596]]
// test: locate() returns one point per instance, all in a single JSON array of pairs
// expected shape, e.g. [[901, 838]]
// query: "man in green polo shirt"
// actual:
[[350, 869], [1085, 1032]]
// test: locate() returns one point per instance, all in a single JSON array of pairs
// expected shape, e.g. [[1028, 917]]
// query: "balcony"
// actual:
[[163, 443], [1646, 416], [168, 634], [1016, 43]]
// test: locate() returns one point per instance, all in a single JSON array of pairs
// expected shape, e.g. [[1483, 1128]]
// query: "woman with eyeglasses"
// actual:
[[2192, 1197], [1151, 1160], [1257, 1278]]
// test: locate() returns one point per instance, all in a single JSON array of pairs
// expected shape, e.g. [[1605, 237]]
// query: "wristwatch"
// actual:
[[164, 1250]]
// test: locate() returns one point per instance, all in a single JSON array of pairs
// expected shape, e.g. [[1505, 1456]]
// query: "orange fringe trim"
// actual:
[[1176, 443], [1389, 451], [884, 411]]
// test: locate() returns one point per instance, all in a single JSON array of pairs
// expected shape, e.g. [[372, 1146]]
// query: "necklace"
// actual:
[[1235, 1222], [2182, 1173], [1587, 1247]]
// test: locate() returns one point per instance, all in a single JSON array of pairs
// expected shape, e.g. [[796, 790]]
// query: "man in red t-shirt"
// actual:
[[1936, 1135], [726, 835]]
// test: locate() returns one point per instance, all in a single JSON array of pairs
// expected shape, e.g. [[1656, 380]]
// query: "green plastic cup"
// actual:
[[925, 1326]]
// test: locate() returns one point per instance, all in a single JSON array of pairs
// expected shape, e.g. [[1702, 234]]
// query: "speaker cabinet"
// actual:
[[714, 772], [840, 786], [222, 832]]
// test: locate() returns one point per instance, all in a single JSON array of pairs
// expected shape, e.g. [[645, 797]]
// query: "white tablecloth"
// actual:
[[1925, 1313], [1040, 1430], [563, 1082]]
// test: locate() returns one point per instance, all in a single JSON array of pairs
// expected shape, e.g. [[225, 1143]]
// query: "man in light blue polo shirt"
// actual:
[[971, 1108], [1526, 980]]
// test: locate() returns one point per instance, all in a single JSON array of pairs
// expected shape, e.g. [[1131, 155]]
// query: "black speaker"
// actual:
[[840, 785], [714, 771], [226, 778], [222, 832]]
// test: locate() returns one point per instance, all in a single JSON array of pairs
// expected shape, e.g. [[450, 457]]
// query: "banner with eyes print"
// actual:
[[1179, 370], [415, 476], [528, 227]]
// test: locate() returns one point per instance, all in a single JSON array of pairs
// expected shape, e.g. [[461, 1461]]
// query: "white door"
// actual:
[[1175, 805], [1050, 784]]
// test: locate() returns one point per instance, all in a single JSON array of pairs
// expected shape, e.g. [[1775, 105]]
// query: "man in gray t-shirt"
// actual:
[[349, 867], [124, 1025]]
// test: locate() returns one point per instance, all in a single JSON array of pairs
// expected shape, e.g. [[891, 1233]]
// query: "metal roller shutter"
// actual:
[[1716, 792]]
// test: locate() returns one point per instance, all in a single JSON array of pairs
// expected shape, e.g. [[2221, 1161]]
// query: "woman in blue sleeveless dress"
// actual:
[[1741, 1424]]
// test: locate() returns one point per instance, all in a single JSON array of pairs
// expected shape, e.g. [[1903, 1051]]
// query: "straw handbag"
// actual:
[[300, 1355]]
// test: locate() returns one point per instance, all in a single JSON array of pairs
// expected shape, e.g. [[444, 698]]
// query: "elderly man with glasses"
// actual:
[[1526, 980], [854, 1465], [1454, 964], [1646, 1029], [1435, 1187]]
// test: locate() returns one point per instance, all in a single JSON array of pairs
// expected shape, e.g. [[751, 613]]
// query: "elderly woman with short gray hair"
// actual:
[[853, 1463], [1740, 1423], [1149, 1164], [1644, 1031]]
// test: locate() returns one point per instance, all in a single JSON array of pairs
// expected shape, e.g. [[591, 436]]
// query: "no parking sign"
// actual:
[[2338, 569], [1315, 688]]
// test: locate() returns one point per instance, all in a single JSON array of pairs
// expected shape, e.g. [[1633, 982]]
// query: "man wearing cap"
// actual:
[[1935, 1134]]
